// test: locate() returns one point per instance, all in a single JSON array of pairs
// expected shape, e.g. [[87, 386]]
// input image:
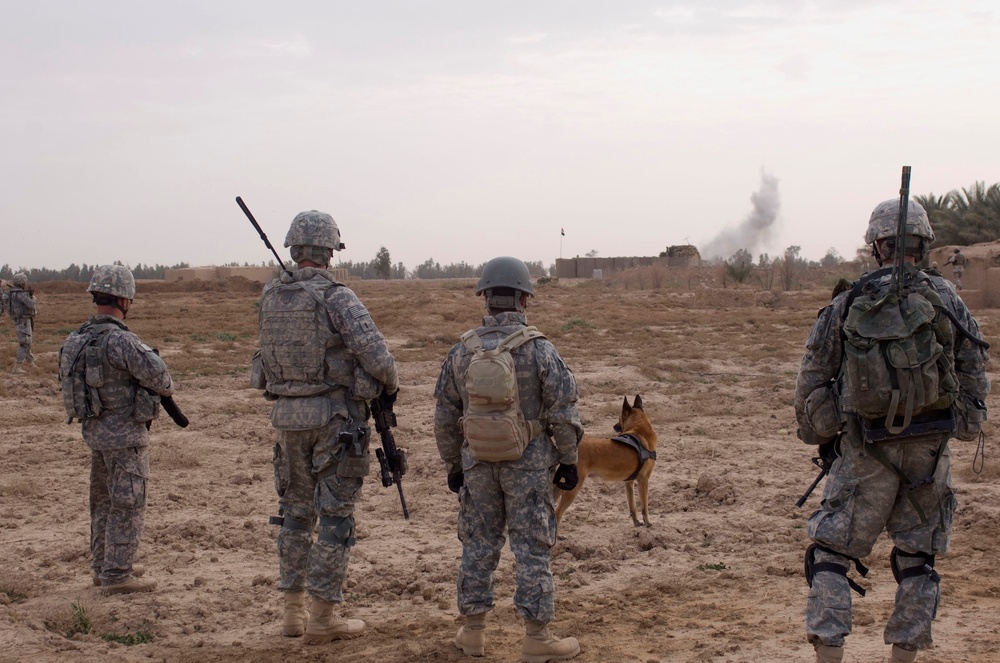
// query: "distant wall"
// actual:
[[569, 268]]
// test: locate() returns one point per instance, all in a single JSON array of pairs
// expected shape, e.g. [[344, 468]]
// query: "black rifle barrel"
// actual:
[[900, 250], [171, 408], [260, 231]]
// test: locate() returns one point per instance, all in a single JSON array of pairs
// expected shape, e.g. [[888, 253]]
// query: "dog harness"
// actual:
[[645, 454]]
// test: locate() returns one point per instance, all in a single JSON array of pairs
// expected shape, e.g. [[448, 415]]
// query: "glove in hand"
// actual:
[[455, 481], [566, 477]]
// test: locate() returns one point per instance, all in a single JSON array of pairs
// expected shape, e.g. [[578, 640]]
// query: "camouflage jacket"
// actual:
[[547, 389], [114, 428], [825, 346]]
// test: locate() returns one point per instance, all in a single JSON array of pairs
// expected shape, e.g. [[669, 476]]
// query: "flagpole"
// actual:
[[562, 233]]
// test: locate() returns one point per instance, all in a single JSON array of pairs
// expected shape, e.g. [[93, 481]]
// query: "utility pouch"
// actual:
[[257, 379], [970, 413], [301, 413], [823, 412], [95, 366], [353, 459], [146, 406]]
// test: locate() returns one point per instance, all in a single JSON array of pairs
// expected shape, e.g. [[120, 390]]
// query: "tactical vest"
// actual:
[[20, 304], [301, 353], [90, 384]]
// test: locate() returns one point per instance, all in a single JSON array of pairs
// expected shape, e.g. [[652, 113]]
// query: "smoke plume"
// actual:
[[755, 231]]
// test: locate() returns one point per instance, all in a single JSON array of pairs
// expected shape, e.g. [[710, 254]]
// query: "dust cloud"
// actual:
[[756, 230]]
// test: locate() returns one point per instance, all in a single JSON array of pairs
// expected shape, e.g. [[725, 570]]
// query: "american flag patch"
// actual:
[[357, 311]]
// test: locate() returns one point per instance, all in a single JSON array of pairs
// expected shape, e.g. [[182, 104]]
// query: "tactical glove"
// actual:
[[455, 481], [566, 477], [387, 400]]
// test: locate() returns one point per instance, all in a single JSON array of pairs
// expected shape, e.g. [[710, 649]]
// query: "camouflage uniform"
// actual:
[[517, 494], [320, 364], [958, 262], [119, 443], [863, 497], [22, 307]]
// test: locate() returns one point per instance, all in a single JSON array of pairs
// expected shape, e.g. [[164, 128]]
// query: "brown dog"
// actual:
[[628, 457]]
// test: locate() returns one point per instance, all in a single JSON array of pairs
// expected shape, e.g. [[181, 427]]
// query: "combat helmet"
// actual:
[[504, 272], [115, 280], [884, 222], [314, 228], [19, 280]]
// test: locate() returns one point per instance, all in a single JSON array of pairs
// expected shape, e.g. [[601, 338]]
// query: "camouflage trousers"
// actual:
[[318, 480], [494, 499], [23, 326], [862, 498], [117, 506]]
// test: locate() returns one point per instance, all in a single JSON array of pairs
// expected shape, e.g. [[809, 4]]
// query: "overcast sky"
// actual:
[[463, 130]]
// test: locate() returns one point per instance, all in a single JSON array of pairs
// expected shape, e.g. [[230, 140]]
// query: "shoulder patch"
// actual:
[[145, 348], [357, 311]]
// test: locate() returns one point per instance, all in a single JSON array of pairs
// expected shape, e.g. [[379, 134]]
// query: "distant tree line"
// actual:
[[83, 272], [966, 216]]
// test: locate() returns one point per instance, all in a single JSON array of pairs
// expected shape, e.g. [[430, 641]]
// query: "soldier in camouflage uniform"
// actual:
[[321, 360], [112, 381], [902, 486], [958, 261], [512, 495], [22, 307]]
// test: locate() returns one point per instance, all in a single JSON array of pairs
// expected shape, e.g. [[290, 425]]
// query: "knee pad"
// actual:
[[925, 568], [812, 567], [337, 530]]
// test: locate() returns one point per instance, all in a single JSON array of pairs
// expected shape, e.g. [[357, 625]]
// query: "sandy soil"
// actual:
[[718, 577]]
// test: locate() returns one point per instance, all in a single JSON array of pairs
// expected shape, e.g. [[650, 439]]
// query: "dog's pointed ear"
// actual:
[[638, 402], [625, 406]]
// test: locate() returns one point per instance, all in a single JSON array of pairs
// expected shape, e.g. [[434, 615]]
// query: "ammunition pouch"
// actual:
[[970, 413], [823, 414]]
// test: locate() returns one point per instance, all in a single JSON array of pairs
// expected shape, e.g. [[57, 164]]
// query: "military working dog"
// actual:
[[628, 457]]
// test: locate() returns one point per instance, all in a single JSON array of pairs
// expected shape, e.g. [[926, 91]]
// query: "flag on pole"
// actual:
[[562, 231]]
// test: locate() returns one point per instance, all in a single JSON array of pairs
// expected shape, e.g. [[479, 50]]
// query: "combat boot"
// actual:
[[323, 627], [137, 571], [540, 646], [828, 654], [17, 370], [900, 655], [130, 586], [293, 623], [471, 638]]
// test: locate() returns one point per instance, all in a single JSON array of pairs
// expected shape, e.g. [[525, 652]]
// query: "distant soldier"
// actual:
[[321, 360], [958, 261], [112, 382], [21, 304], [505, 421]]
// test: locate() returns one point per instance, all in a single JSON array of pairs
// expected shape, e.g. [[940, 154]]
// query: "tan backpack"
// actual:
[[493, 423]]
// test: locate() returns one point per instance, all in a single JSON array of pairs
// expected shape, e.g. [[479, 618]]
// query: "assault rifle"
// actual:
[[900, 250], [267, 242], [824, 461], [391, 461], [170, 406]]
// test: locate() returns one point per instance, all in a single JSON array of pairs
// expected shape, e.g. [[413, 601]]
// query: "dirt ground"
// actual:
[[718, 577]]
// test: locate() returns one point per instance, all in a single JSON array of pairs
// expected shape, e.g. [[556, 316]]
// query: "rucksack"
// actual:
[[493, 423], [898, 351], [80, 399]]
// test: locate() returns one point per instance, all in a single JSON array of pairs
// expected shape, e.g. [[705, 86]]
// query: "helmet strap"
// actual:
[[124, 310]]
